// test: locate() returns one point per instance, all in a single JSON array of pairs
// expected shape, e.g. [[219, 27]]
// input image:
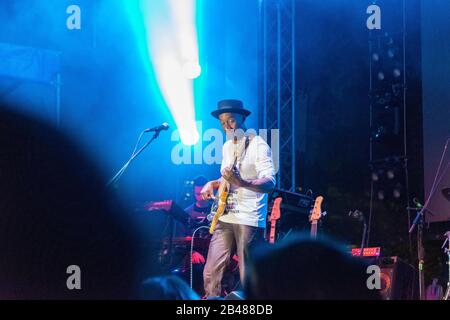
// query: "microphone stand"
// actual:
[[419, 222], [358, 215], [117, 176], [420, 252], [363, 241], [447, 251]]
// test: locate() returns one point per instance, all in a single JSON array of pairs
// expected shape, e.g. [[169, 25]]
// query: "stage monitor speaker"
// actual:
[[399, 280], [159, 220], [156, 224]]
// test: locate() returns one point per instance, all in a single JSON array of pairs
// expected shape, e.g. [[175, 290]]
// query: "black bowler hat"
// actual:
[[231, 106]]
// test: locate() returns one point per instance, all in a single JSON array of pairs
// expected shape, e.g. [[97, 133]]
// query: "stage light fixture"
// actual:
[[375, 176], [391, 53], [396, 72], [397, 192], [390, 174], [378, 133]]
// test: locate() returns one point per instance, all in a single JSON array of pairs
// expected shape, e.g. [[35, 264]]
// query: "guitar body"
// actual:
[[220, 204]]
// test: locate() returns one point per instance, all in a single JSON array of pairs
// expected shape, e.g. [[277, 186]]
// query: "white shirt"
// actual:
[[245, 206]]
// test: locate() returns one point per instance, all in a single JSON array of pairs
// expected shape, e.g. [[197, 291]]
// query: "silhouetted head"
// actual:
[[55, 213], [302, 268]]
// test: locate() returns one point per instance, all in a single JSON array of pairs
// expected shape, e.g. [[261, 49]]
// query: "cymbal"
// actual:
[[446, 193]]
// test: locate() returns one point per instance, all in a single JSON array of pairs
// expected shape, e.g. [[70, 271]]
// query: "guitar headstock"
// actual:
[[275, 215], [316, 212]]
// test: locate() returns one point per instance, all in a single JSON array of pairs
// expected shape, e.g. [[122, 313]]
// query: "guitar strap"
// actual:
[[243, 153]]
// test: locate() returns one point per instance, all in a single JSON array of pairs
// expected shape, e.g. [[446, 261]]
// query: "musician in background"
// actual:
[[199, 210], [197, 217], [252, 178]]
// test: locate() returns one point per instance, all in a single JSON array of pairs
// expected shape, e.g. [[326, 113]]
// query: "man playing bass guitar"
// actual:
[[248, 175]]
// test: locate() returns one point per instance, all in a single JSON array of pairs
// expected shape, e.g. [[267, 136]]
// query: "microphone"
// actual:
[[417, 203], [164, 126]]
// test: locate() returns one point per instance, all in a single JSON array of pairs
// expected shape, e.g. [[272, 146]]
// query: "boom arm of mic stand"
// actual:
[[134, 156]]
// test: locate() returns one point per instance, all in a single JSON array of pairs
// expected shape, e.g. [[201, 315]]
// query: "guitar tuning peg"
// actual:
[[324, 213]]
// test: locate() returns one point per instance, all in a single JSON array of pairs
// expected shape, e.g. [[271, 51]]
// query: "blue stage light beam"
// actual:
[[173, 50]]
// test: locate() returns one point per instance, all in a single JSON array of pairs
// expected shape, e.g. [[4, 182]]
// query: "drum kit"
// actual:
[[184, 253]]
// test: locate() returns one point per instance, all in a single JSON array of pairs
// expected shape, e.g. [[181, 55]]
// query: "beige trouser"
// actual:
[[227, 239]]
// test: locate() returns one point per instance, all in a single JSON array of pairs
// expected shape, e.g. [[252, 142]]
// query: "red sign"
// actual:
[[367, 252]]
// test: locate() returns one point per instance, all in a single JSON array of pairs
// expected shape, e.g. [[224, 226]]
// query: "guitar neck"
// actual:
[[274, 216], [314, 229], [272, 232]]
